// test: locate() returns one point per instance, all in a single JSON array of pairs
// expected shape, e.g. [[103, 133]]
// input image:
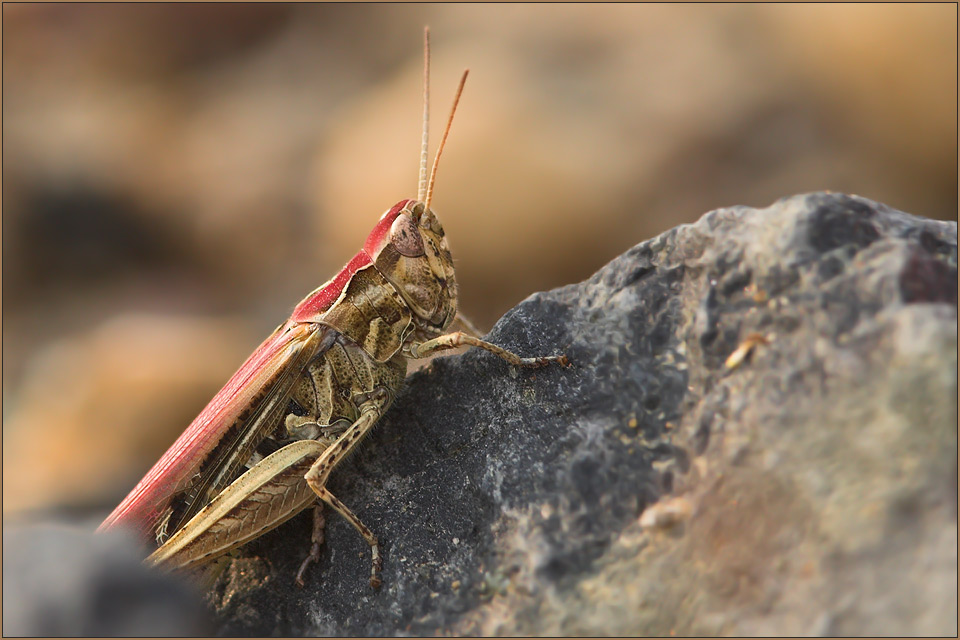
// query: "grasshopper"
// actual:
[[263, 448]]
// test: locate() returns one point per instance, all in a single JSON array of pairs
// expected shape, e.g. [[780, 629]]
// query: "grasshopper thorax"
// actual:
[[408, 247]]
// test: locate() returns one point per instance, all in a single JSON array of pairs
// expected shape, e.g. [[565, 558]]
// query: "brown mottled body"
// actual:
[[372, 315], [395, 308], [336, 390], [357, 374]]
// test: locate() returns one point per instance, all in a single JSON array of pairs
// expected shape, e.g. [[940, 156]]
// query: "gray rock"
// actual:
[[62, 580], [661, 485], [809, 489]]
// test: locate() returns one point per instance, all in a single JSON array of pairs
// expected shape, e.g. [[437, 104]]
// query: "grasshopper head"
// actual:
[[409, 248]]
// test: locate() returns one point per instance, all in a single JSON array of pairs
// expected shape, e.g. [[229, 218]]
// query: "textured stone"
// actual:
[[658, 486], [61, 580], [811, 489]]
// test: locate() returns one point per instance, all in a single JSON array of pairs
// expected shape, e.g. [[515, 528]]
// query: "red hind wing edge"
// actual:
[[147, 501]]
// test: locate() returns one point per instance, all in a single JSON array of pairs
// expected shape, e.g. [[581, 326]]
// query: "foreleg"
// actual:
[[459, 338]]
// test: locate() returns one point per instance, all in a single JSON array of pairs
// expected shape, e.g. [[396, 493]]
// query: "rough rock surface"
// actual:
[[811, 489], [661, 485], [61, 580]]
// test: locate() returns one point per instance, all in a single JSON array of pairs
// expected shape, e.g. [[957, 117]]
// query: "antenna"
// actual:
[[443, 140], [424, 143]]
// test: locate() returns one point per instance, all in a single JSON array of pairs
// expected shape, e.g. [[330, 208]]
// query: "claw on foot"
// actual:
[[303, 568], [375, 581], [316, 539], [314, 556], [562, 360]]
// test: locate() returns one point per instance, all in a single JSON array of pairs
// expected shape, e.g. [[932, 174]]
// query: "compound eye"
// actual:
[[405, 237]]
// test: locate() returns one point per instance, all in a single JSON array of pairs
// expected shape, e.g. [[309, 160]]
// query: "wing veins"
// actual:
[[227, 459]]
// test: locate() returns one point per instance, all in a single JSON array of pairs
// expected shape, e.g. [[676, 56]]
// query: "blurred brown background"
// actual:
[[177, 177]]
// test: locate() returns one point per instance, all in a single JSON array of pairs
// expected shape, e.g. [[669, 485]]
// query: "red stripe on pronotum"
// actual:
[[379, 235], [323, 298]]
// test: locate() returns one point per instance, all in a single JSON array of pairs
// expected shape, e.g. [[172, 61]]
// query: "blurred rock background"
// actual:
[[177, 177]]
